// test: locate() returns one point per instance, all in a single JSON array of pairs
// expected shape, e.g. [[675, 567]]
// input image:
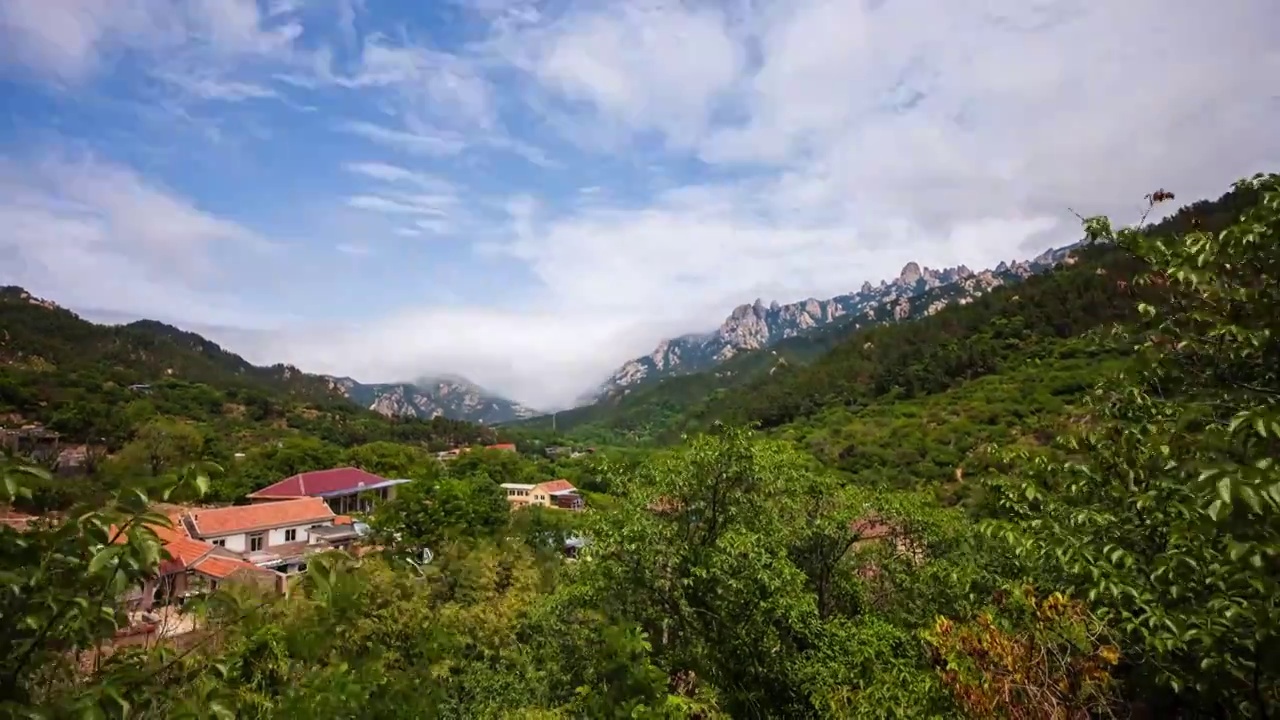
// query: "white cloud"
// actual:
[[798, 148], [96, 235], [70, 40]]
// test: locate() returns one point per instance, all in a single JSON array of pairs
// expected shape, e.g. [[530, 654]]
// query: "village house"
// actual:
[[32, 440], [555, 493], [346, 490], [194, 568], [276, 535]]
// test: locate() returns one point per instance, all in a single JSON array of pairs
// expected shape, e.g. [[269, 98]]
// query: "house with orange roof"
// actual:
[[554, 493], [190, 568], [274, 535]]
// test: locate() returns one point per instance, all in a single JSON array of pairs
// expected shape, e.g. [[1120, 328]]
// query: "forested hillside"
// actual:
[[146, 397], [1118, 554]]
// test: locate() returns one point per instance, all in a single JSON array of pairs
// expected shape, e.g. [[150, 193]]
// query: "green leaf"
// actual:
[[1250, 498], [104, 556]]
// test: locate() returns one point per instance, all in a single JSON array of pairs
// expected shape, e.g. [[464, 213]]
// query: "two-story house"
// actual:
[[347, 490], [276, 535]]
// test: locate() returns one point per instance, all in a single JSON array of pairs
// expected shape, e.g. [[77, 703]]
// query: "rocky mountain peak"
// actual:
[[910, 274], [866, 287]]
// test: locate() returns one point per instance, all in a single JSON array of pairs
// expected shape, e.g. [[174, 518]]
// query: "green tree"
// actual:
[[498, 465], [1168, 522], [428, 513], [393, 460], [162, 444]]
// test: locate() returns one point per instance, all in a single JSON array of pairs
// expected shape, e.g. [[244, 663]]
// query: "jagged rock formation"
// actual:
[[452, 397], [750, 327]]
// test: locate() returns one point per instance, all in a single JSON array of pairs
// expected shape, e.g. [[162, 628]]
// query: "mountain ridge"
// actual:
[[753, 326]]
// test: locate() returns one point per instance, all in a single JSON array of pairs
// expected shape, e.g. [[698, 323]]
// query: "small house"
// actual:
[[555, 493]]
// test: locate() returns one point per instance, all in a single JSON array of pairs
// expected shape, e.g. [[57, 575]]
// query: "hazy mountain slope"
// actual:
[[451, 397]]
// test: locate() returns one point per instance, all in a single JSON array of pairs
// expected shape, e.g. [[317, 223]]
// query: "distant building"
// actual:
[[34, 440], [555, 493], [347, 490], [453, 453]]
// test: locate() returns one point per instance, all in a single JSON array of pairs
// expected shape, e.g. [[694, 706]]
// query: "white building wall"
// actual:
[[275, 536], [234, 543]]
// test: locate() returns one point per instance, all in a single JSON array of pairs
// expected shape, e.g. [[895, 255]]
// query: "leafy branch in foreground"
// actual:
[[1168, 522], [63, 582]]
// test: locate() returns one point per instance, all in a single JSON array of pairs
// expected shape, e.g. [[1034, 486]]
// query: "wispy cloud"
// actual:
[[423, 142], [396, 174], [352, 249]]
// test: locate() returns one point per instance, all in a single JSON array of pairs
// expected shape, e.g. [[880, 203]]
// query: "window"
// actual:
[[220, 542], [291, 534], [256, 541]]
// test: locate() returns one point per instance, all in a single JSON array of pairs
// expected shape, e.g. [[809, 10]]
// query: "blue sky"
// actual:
[[530, 193]]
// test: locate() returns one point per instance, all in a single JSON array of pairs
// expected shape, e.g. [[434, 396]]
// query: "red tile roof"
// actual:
[[187, 552], [220, 568], [555, 486], [509, 447], [318, 482], [242, 518]]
